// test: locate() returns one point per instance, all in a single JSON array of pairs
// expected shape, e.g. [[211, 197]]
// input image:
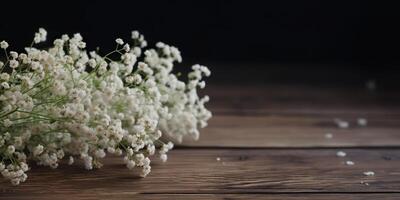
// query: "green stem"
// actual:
[[9, 113]]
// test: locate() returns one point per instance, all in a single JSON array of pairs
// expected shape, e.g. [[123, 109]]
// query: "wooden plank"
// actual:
[[194, 171], [297, 130], [128, 195], [299, 116], [309, 99]]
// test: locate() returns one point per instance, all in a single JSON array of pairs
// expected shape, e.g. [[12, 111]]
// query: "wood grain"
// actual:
[[282, 116], [297, 130], [310, 99], [193, 171], [127, 195]]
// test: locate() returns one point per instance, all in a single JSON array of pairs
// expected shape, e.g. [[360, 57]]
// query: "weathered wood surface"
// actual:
[[300, 130], [264, 142], [316, 100], [123, 196], [197, 171], [300, 116], [237, 171]]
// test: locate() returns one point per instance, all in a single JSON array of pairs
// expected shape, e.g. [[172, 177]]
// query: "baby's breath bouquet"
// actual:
[[63, 102]]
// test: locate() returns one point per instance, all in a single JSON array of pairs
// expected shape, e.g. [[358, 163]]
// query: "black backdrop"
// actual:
[[361, 35]]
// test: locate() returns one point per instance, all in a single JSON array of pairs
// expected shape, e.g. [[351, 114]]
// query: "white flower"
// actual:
[[3, 44], [37, 38], [40, 36], [137, 79], [151, 149], [71, 160], [127, 48], [38, 150], [119, 41], [43, 34], [163, 157], [10, 149], [110, 150], [13, 54], [135, 34], [14, 64], [100, 153], [130, 164], [5, 85], [92, 63], [85, 104]]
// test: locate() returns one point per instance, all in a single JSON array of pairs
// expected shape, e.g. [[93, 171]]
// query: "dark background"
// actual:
[[323, 41]]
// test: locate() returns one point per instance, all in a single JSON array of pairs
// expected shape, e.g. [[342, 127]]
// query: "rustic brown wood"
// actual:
[[299, 116], [309, 99], [299, 130], [128, 195], [193, 171]]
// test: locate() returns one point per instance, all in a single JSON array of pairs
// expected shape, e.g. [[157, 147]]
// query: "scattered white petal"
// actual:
[[340, 154], [364, 183], [349, 162], [328, 135], [341, 123], [218, 159], [362, 122], [369, 173]]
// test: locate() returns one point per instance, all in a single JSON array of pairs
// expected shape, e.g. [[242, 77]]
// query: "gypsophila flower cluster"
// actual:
[[64, 102]]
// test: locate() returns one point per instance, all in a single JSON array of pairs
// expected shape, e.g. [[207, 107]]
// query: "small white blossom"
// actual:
[[14, 64], [70, 160], [135, 34], [100, 153], [10, 149], [13, 54], [40, 36], [145, 171], [38, 150], [127, 48], [130, 164], [119, 41], [163, 157], [3, 44], [5, 85]]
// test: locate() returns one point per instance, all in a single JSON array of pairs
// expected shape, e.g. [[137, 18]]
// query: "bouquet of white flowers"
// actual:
[[64, 102]]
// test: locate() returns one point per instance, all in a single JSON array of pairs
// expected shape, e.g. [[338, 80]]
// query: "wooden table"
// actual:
[[264, 142]]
